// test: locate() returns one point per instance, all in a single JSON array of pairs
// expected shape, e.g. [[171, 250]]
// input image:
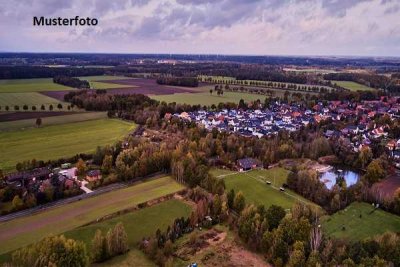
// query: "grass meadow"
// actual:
[[353, 86], [255, 189], [57, 141], [357, 222], [95, 81], [26, 230], [138, 224], [30, 99], [30, 85], [53, 120]]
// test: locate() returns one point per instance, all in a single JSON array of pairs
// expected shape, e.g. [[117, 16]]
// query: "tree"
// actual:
[[38, 122], [117, 240], [42, 107], [297, 257], [231, 197], [52, 251], [51, 107], [274, 216], [365, 156], [59, 106], [375, 172], [211, 91], [239, 202], [25, 107], [99, 247], [107, 164], [17, 203], [80, 167]]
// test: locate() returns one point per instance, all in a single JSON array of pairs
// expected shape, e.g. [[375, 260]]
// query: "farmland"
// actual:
[[30, 85], [359, 221], [30, 99], [138, 224], [253, 186], [17, 120], [353, 86], [205, 98], [26, 230], [96, 81], [53, 142]]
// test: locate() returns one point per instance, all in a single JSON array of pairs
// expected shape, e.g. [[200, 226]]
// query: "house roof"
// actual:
[[247, 163]]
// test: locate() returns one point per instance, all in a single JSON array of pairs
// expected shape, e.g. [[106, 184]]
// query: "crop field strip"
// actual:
[[30, 85], [47, 120]]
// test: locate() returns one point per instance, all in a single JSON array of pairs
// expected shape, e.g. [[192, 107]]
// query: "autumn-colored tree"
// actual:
[[80, 167], [107, 164], [52, 251], [99, 247]]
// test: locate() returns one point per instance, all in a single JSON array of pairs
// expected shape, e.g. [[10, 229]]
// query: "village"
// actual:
[[354, 124]]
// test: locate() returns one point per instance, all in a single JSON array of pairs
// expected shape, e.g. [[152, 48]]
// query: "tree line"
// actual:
[[178, 81], [71, 82]]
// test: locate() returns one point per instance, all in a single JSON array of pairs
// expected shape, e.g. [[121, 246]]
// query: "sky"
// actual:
[[246, 27]]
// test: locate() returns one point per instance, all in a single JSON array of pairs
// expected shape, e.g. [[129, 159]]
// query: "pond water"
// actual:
[[329, 177]]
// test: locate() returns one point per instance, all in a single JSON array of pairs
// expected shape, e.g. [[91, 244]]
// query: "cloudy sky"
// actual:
[[269, 27]]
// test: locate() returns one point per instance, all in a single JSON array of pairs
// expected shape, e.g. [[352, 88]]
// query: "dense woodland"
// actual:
[[178, 81], [71, 82], [27, 72], [372, 80]]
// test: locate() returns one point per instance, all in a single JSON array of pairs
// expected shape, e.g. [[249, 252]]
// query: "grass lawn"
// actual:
[[24, 231], [57, 141], [30, 99], [205, 98], [138, 224], [253, 186], [30, 85], [54, 120], [353, 86], [356, 228]]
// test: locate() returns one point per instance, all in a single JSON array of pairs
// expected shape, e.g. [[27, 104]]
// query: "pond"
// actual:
[[329, 177]]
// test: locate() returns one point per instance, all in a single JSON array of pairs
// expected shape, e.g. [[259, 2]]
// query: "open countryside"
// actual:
[[353, 86], [57, 141], [254, 186], [24, 231], [359, 221], [47, 120], [30, 85]]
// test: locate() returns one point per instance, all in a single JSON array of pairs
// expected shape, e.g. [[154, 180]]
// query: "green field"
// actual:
[[26, 230], [30, 99], [256, 191], [55, 120], [59, 141], [205, 98], [30, 85], [356, 228], [353, 86], [138, 224], [95, 84]]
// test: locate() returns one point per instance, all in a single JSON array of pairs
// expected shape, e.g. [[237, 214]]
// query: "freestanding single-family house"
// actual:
[[247, 164]]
